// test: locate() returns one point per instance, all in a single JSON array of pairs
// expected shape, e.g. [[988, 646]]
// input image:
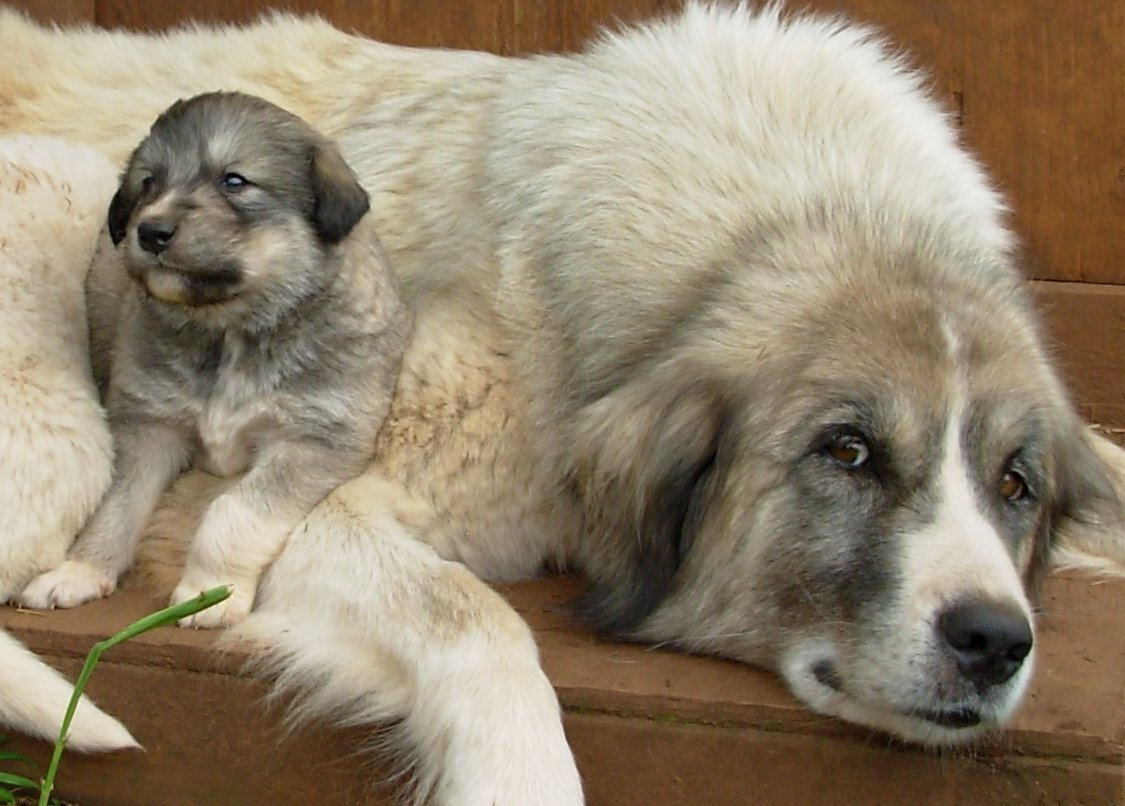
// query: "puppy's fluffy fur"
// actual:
[[718, 312], [261, 333]]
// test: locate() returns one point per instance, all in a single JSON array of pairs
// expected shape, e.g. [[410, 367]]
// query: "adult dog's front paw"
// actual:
[[71, 584], [228, 612]]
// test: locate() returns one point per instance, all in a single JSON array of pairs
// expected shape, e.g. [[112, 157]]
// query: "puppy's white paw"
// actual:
[[226, 613], [71, 584]]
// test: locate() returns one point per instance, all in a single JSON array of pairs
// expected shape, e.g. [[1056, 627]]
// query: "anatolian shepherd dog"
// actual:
[[718, 312], [261, 335]]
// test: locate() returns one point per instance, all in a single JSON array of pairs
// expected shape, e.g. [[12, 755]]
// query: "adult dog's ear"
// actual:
[[646, 463], [120, 210], [339, 201], [1089, 527]]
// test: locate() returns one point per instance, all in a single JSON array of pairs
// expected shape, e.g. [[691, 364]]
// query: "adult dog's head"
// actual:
[[861, 489], [227, 207], [796, 383]]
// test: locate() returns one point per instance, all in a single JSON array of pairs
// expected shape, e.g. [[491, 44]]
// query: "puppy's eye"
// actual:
[[1012, 487], [147, 184], [848, 450], [233, 181]]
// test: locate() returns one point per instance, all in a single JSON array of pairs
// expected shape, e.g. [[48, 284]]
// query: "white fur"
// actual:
[[33, 699], [55, 453], [54, 443], [404, 634]]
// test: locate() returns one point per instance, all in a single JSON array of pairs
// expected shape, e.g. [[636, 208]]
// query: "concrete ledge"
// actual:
[[647, 726]]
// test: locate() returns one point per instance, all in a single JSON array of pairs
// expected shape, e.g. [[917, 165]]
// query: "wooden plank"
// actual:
[[503, 26], [1044, 103], [633, 762], [647, 726], [60, 11], [1086, 327]]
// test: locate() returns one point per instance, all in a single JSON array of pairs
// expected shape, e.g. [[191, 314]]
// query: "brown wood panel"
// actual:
[[1045, 104], [647, 726], [1086, 326], [500, 26], [56, 10]]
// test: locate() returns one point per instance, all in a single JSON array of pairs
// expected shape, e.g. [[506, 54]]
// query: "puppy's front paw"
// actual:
[[226, 613], [71, 584]]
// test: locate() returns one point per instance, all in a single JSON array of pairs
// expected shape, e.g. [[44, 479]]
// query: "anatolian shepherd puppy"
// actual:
[[248, 322], [718, 312]]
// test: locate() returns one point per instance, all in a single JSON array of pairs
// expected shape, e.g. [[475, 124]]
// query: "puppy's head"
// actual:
[[231, 198]]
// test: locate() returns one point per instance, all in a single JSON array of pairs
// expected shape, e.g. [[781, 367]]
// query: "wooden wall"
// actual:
[[1038, 85]]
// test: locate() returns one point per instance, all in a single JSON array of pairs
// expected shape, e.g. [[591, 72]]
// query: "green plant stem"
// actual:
[[158, 619]]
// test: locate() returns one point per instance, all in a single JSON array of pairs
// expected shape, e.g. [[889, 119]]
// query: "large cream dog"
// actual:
[[55, 451], [717, 312]]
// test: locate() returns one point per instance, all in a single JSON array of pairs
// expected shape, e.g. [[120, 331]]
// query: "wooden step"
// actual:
[[647, 726]]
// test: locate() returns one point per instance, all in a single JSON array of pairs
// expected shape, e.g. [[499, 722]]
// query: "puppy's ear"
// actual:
[[1089, 523], [647, 467], [120, 209], [339, 201]]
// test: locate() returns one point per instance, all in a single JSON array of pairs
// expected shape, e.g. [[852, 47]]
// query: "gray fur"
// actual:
[[275, 298]]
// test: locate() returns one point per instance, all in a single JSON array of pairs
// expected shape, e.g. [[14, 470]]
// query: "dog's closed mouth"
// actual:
[[195, 288], [826, 674], [213, 278], [958, 718]]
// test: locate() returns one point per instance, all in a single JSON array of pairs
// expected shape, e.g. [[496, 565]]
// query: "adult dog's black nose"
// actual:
[[989, 641], [155, 236]]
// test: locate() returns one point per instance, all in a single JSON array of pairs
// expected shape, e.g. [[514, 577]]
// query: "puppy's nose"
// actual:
[[156, 235], [987, 640]]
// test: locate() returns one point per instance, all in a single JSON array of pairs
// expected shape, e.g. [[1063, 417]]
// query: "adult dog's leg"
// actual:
[[364, 622], [245, 528]]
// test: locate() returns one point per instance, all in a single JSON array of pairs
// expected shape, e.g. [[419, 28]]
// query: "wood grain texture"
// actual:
[[501, 26], [1045, 105], [56, 10], [1086, 329], [648, 726]]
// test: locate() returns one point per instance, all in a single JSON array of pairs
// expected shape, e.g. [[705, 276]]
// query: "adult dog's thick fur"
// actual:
[[247, 321], [55, 450], [718, 312]]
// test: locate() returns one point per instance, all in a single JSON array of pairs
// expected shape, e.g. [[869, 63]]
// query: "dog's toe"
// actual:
[[71, 584], [226, 613]]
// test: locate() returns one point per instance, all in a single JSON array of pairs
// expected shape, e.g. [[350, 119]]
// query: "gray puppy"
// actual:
[[247, 321]]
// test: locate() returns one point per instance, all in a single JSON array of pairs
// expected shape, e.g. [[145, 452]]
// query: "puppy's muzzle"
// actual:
[[155, 235], [988, 641]]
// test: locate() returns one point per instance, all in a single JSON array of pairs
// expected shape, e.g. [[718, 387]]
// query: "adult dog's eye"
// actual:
[[233, 181], [848, 450], [1012, 487]]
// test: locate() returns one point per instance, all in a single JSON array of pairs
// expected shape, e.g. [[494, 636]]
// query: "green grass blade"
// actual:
[[18, 781], [169, 615]]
